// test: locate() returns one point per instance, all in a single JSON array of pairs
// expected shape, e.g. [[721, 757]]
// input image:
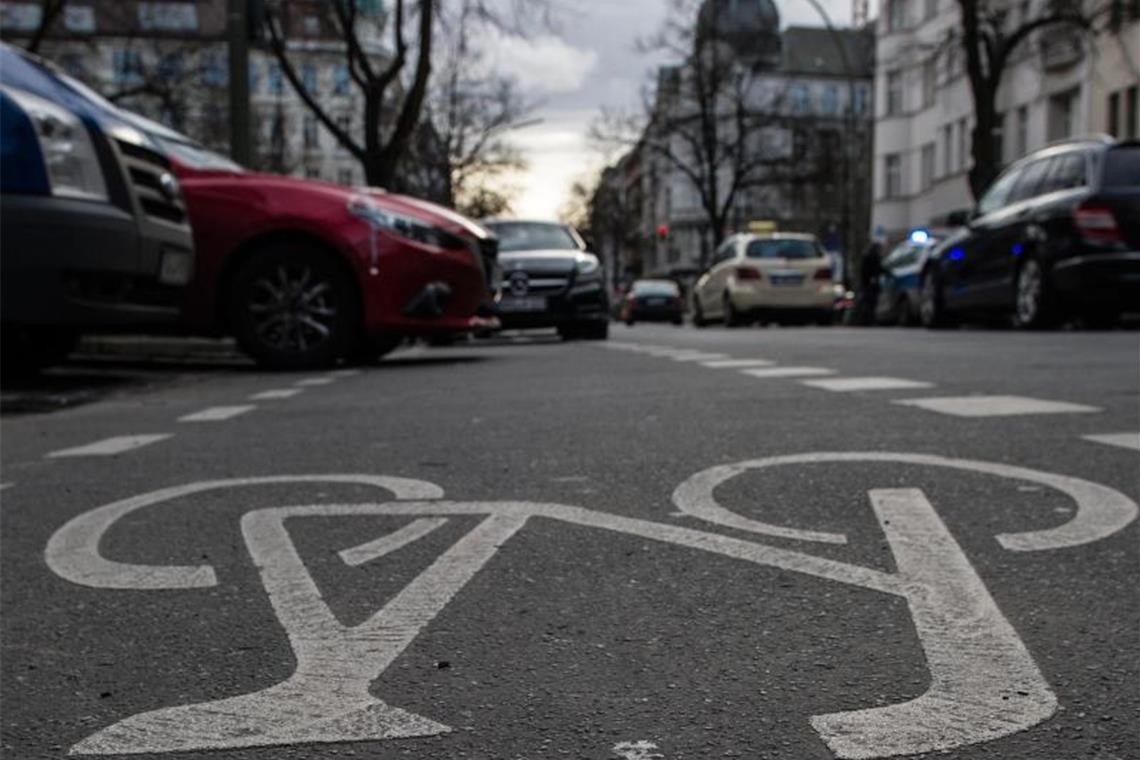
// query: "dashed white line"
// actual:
[[737, 363], [848, 384], [995, 406], [277, 393], [110, 446], [312, 382], [787, 372], [345, 373], [696, 356], [1123, 440], [217, 413]]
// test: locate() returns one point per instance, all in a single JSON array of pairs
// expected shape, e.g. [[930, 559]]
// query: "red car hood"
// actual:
[[426, 211]]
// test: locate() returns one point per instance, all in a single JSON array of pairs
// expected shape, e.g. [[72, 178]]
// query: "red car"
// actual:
[[304, 273]]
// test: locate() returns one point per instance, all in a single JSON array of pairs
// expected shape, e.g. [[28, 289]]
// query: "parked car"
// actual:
[[95, 229], [1056, 235], [769, 277], [550, 280], [303, 272], [900, 284], [653, 301]]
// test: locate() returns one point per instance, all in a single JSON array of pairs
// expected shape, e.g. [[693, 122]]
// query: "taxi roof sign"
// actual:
[[762, 227]]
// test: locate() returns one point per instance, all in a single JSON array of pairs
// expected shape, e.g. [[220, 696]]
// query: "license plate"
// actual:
[[523, 303], [656, 301], [787, 279], [176, 267]]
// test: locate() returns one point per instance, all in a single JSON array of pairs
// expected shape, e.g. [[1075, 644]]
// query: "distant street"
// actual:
[[784, 543]]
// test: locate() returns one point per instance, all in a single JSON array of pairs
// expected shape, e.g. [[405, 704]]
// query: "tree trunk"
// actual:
[[986, 166]]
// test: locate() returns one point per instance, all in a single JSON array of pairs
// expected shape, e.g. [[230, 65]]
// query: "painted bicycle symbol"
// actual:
[[984, 683]]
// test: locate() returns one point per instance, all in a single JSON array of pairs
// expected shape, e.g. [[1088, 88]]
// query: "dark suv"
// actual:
[[1056, 235], [549, 279]]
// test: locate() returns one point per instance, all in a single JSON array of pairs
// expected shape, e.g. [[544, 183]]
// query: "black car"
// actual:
[[549, 279], [1056, 235], [653, 301]]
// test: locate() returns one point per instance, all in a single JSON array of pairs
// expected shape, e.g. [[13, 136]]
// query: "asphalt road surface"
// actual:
[[783, 543]]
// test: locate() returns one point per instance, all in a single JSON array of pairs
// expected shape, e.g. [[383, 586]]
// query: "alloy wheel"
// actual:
[[1030, 289], [291, 308]]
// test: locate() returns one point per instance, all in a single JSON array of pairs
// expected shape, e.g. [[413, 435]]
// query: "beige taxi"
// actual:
[[776, 277]]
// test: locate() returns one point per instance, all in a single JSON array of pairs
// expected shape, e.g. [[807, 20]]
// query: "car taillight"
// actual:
[[823, 274], [747, 273], [1096, 223]]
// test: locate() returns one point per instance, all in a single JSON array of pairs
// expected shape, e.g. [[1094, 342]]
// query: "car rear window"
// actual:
[[1122, 167], [656, 288], [784, 249]]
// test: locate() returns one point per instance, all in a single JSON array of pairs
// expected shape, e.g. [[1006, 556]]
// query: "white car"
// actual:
[[772, 277]]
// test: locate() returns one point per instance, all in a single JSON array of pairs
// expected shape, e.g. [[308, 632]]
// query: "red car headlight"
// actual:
[[400, 225]]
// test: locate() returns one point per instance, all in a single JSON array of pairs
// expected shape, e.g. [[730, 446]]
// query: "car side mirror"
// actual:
[[961, 217]]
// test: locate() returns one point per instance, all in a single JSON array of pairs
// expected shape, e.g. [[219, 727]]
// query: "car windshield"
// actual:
[[788, 248], [655, 288], [1122, 167], [196, 156], [533, 236]]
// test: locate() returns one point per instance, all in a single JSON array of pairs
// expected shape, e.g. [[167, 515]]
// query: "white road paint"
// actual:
[[6, 486], [345, 373], [218, 413], [995, 406], [1123, 440], [737, 363], [775, 372], [697, 356], [314, 382], [110, 446], [640, 750], [984, 683], [849, 384], [277, 394], [1100, 511], [327, 698], [379, 547], [73, 551]]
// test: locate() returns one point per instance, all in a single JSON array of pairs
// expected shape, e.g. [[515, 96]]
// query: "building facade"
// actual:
[[807, 94], [1059, 84], [169, 61]]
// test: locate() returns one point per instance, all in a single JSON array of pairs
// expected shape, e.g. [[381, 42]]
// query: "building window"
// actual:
[[894, 93], [312, 172], [171, 67], [1132, 112], [274, 80], [829, 101], [214, 72], [309, 77], [892, 175], [341, 80], [927, 167], [947, 149], [1021, 137], [309, 134], [801, 100], [862, 100], [1113, 124], [931, 9], [929, 82], [1063, 114], [344, 177], [963, 144], [128, 66], [312, 26], [344, 124], [896, 15]]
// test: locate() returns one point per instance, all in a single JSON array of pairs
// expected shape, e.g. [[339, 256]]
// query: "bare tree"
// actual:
[[990, 42], [50, 11], [395, 88]]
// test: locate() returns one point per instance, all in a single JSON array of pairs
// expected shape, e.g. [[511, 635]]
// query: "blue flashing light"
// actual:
[[919, 237], [1018, 249], [957, 254]]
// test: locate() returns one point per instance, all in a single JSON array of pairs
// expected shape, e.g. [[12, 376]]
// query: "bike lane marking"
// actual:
[[995, 406], [850, 384], [984, 683], [277, 394], [780, 372], [217, 413]]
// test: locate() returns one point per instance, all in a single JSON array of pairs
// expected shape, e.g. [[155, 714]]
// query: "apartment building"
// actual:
[[1060, 83]]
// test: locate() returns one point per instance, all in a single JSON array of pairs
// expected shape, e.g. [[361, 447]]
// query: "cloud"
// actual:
[[541, 65]]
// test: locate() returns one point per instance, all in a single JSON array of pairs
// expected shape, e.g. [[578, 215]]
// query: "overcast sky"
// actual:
[[591, 61]]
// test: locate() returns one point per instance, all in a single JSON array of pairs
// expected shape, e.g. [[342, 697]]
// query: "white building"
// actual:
[[1058, 85]]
